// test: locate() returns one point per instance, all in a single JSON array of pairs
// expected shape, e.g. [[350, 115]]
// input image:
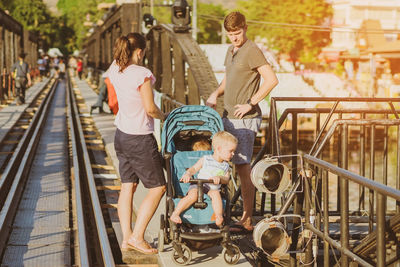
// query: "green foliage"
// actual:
[[75, 13], [35, 17], [209, 31], [295, 41]]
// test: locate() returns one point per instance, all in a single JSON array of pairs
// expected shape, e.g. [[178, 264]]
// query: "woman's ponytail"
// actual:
[[122, 52], [124, 47]]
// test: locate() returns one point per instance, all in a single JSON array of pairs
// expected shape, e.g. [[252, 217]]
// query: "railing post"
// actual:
[[344, 200], [298, 203], [325, 199], [372, 174], [361, 204], [398, 167], [380, 233], [307, 209]]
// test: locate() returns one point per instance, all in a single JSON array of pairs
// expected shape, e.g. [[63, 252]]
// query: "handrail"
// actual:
[[382, 192], [373, 185]]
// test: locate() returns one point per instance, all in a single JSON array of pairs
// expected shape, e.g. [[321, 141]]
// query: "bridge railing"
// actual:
[[182, 71], [382, 225], [341, 139], [288, 135], [14, 40]]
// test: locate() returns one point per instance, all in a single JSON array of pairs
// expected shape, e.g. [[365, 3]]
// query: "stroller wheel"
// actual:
[[186, 255], [231, 254]]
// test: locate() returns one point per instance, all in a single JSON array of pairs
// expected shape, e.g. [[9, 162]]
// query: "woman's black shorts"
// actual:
[[139, 159]]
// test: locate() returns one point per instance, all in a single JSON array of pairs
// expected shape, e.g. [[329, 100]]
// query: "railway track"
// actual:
[[58, 187]]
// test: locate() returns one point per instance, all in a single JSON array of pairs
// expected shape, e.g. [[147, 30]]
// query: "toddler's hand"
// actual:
[[216, 179], [185, 178]]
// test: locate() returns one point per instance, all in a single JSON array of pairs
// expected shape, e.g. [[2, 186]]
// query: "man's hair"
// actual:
[[222, 137], [234, 21], [22, 55]]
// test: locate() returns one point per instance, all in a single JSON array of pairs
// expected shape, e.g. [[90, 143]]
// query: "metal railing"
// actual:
[[336, 132], [382, 192]]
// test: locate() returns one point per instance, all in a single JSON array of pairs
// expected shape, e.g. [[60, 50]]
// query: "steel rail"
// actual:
[[14, 176], [105, 247], [82, 241]]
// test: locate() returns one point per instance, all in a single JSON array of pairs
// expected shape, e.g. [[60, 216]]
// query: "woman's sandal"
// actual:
[[125, 247], [148, 250]]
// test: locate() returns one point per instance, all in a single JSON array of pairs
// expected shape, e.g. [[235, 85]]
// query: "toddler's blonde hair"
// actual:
[[223, 137]]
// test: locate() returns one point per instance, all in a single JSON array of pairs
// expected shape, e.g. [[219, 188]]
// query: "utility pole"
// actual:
[[194, 23]]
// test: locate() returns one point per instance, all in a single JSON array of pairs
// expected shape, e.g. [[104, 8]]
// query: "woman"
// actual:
[[135, 145]]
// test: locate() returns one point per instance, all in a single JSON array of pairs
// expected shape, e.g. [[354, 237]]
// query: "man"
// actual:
[[245, 65], [20, 70]]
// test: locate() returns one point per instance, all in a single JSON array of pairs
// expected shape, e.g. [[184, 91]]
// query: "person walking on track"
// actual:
[[20, 71], [245, 65], [135, 144]]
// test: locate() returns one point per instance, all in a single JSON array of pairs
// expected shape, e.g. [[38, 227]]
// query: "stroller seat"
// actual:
[[180, 162]]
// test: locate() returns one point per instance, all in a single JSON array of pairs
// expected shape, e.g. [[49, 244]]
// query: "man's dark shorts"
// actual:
[[139, 159]]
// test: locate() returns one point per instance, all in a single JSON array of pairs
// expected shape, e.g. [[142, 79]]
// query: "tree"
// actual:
[[35, 17], [283, 22], [76, 12], [209, 30]]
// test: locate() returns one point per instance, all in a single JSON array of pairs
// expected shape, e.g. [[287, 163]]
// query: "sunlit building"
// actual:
[[350, 17]]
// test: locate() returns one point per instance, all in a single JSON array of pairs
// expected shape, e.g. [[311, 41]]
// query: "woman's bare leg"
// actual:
[[125, 209], [146, 211]]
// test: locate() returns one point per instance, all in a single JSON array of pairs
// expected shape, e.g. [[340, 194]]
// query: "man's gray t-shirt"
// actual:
[[242, 78], [22, 69]]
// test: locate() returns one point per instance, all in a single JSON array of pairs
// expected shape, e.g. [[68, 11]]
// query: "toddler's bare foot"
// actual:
[[175, 218], [219, 220]]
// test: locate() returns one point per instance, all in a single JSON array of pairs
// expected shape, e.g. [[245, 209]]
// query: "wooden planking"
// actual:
[[166, 83], [108, 187], [193, 96], [103, 167], [179, 73], [156, 58]]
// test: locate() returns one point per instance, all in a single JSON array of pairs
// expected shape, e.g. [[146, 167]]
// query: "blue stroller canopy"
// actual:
[[190, 117]]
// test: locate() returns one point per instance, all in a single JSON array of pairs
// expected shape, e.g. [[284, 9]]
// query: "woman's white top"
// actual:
[[131, 117]]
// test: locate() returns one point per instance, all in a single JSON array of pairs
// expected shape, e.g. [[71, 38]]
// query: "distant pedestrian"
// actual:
[[42, 66], [20, 70], [61, 69], [72, 63], [79, 68], [102, 97], [245, 65]]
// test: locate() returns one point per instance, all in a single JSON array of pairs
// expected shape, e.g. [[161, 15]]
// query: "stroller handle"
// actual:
[[200, 204], [201, 181]]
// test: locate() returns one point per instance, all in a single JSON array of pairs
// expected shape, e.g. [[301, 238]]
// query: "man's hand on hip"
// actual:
[[241, 110]]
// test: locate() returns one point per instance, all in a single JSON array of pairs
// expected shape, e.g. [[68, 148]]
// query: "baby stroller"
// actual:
[[196, 232]]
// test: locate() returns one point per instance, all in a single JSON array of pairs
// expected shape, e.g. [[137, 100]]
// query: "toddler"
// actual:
[[201, 144], [214, 167]]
